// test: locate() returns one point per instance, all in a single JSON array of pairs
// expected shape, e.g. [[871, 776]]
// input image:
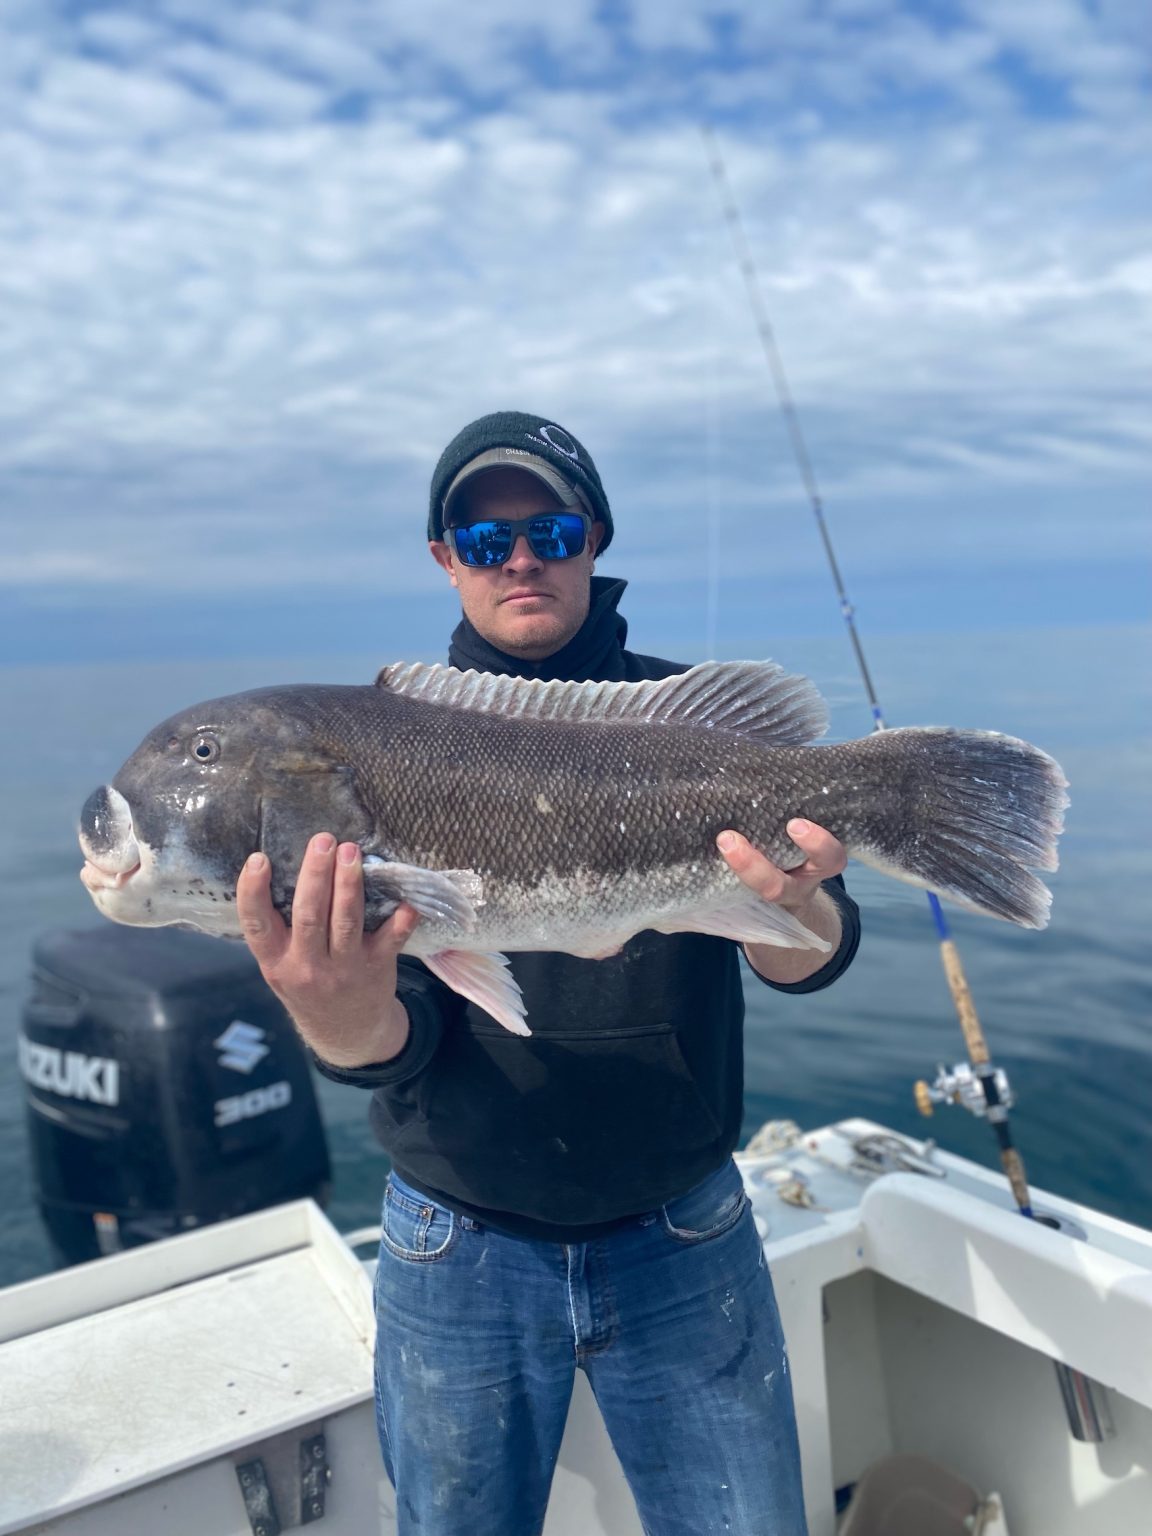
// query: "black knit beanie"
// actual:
[[524, 434]]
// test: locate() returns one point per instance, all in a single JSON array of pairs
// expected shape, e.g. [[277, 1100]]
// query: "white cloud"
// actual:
[[305, 48], [126, 33], [81, 97], [654, 26], [245, 86]]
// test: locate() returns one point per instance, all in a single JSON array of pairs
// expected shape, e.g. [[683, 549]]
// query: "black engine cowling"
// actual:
[[166, 1088]]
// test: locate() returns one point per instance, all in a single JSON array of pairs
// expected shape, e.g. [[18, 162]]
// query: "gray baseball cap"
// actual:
[[515, 440]]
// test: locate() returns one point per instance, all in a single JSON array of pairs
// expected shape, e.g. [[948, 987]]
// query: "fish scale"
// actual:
[[591, 778]]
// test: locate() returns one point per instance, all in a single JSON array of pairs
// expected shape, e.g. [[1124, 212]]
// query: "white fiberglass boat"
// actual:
[[220, 1383]]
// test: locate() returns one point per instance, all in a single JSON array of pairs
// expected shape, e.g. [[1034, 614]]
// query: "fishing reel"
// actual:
[[964, 1086]]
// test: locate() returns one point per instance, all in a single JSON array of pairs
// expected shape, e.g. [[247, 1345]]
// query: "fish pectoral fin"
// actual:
[[485, 980], [748, 919], [449, 895]]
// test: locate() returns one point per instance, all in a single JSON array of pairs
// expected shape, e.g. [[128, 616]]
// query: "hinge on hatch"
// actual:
[[286, 1485], [314, 1476], [258, 1502]]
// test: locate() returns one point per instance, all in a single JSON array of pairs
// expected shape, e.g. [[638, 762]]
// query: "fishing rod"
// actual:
[[977, 1084]]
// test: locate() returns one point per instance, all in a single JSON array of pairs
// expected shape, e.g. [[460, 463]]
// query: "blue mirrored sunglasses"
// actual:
[[551, 536]]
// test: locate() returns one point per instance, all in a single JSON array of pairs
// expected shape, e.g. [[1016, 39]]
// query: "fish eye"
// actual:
[[205, 747]]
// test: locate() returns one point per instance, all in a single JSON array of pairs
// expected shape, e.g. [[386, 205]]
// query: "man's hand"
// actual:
[[337, 982], [796, 889]]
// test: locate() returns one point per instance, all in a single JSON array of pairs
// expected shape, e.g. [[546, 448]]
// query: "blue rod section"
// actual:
[[942, 929]]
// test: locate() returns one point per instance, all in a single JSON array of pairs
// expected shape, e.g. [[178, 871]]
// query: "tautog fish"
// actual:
[[522, 815]]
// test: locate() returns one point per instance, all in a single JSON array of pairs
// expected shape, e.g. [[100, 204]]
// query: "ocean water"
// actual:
[[1068, 1011]]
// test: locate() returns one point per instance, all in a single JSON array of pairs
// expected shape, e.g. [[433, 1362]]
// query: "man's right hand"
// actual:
[[337, 982]]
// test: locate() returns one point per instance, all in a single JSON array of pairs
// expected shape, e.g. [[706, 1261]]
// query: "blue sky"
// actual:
[[258, 263]]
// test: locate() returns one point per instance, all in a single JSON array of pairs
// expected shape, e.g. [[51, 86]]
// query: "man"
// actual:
[[567, 1199]]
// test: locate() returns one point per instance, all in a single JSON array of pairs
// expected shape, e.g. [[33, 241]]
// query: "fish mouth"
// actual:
[[97, 879], [108, 841], [133, 881]]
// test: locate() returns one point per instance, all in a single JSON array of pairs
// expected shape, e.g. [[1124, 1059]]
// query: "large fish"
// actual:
[[521, 815]]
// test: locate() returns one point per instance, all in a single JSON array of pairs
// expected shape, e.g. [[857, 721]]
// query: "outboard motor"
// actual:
[[166, 1088]]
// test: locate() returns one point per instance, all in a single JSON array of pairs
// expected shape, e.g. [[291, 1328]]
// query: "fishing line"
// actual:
[[994, 1101], [712, 576]]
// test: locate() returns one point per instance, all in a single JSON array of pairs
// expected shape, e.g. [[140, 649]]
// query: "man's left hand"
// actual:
[[792, 888], [796, 889]]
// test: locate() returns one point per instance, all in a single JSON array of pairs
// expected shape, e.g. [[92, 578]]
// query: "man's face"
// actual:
[[528, 607]]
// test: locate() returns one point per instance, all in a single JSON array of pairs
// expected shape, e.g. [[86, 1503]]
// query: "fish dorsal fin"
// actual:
[[746, 698]]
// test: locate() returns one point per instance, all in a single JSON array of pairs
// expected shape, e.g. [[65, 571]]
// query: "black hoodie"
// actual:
[[629, 1090]]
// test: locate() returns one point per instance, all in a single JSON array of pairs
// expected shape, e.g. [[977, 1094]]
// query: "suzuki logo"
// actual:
[[241, 1046], [70, 1073]]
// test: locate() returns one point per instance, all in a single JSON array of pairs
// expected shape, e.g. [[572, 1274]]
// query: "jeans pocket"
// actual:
[[416, 1228], [709, 1210]]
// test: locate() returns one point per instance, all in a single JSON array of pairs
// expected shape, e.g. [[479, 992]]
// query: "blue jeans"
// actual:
[[674, 1320]]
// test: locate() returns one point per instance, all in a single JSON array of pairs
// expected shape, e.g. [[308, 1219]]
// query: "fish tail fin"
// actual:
[[972, 814]]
